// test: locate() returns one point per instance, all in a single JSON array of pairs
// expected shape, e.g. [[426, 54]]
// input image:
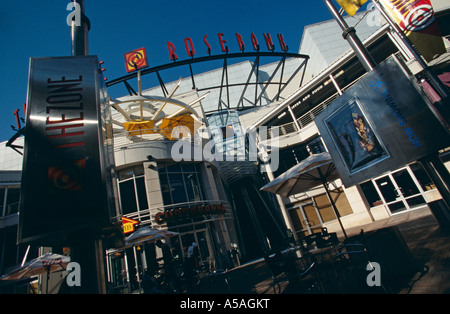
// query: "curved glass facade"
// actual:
[[132, 192], [180, 183]]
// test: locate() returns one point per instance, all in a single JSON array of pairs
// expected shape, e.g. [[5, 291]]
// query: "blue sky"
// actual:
[[38, 29]]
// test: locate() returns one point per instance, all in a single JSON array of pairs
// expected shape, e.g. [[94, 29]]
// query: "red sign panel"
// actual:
[[128, 224], [136, 60], [416, 18]]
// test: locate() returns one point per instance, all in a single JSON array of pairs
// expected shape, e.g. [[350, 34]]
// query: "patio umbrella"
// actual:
[[139, 127], [188, 121], [146, 234], [46, 263], [317, 169]]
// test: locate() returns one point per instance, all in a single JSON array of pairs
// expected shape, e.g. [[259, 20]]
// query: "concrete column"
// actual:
[[153, 187]]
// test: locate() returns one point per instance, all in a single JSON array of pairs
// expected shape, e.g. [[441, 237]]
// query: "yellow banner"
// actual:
[[351, 6], [416, 19]]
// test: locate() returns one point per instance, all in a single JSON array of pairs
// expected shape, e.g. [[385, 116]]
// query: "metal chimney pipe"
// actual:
[[80, 28]]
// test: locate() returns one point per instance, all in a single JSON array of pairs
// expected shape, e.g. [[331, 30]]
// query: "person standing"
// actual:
[[190, 264], [169, 267]]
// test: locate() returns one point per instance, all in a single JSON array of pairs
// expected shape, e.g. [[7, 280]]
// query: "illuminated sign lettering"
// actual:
[[190, 50], [174, 214], [65, 95]]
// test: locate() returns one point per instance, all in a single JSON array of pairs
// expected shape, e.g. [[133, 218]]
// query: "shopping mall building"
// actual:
[[202, 179]]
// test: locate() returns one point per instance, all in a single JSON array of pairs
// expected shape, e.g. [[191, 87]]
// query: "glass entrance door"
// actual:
[[409, 189], [181, 243], [400, 191], [309, 219]]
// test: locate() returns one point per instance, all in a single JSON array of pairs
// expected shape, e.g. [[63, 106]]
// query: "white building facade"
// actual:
[[217, 203]]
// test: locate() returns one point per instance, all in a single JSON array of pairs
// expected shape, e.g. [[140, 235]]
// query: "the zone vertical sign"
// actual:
[[66, 171]]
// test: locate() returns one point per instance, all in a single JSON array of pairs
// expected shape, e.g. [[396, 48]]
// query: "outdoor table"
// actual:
[[324, 258]]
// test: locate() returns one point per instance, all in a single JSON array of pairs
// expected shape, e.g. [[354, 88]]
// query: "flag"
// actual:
[[417, 20], [351, 6]]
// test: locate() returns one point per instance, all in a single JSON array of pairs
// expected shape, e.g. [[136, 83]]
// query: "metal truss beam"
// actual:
[[222, 103], [203, 59]]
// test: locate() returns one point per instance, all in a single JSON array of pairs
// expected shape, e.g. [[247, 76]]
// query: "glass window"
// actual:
[[2, 199], [125, 174], [161, 167], [165, 189], [177, 188], [203, 245], [12, 201], [316, 146], [341, 202], [193, 187], [138, 171], [371, 193], [227, 132], [127, 197], [296, 218], [141, 192], [324, 207], [175, 168], [189, 168], [421, 175], [133, 194], [326, 210], [180, 184], [12, 196], [289, 157]]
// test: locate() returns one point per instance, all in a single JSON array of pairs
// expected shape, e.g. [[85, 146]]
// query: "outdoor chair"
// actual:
[[287, 267], [352, 266], [308, 242], [326, 239], [323, 239]]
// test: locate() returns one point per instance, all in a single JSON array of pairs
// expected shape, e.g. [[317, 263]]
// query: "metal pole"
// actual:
[[333, 204], [436, 82], [349, 34], [86, 249], [80, 45]]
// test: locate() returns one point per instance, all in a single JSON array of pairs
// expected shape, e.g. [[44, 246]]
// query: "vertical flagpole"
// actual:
[[349, 34]]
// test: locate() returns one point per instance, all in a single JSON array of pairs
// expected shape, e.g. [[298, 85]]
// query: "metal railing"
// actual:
[[307, 118]]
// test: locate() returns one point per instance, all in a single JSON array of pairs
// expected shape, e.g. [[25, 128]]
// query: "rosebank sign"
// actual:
[[177, 213], [222, 40]]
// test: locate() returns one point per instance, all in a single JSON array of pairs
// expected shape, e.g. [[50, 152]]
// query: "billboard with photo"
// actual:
[[379, 124], [356, 139]]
